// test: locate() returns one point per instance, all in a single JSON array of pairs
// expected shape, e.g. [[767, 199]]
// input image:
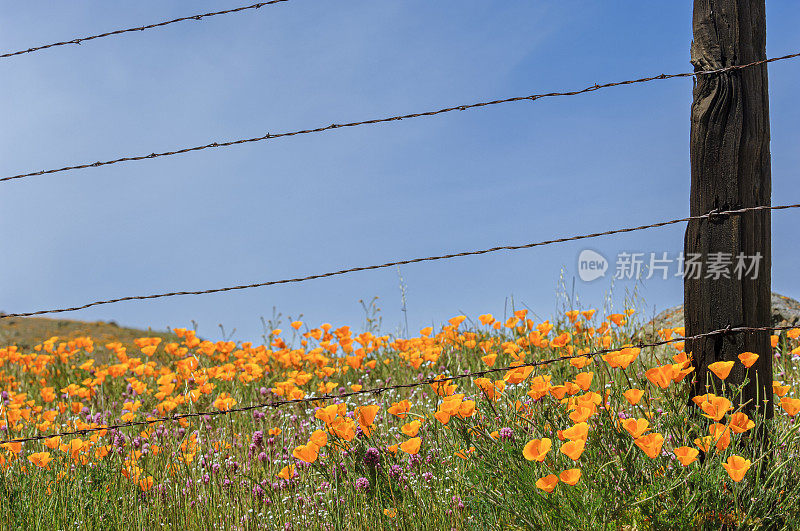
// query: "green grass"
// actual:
[[209, 474]]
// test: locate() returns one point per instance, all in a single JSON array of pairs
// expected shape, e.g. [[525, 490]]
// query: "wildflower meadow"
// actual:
[[612, 441]]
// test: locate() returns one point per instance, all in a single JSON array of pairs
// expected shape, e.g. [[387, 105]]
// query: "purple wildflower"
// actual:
[[362, 484], [372, 457]]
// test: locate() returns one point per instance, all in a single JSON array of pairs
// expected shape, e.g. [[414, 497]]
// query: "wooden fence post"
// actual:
[[730, 168]]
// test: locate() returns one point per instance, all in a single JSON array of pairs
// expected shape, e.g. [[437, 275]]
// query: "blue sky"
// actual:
[[501, 175]]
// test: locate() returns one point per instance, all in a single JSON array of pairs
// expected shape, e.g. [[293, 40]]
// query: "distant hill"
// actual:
[[26, 332]]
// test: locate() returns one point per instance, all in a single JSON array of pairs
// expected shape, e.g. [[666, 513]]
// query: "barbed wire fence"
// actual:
[[200, 16], [718, 213], [374, 121], [271, 136]]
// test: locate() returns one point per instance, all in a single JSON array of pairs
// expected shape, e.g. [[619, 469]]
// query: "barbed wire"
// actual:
[[272, 136], [200, 16], [437, 380], [712, 214]]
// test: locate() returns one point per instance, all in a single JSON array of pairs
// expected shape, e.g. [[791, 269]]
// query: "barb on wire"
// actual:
[[200, 16], [272, 136], [381, 390], [398, 263]]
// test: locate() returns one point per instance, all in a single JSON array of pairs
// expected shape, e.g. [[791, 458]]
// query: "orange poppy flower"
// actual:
[[683, 359], [149, 350], [465, 455], [366, 417], [411, 429], [455, 321], [391, 513], [319, 439], [442, 387], [561, 340], [578, 432], [224, 402], [573, 449], [636, 427], [571, 476], [680, 372], [452, 404], [650, 444], [584, 380], [537, 449], [661, 376], [287, 472], [486, 319], [779, 389], [748, 358], [411, 446], [721, 435], [582, 414], [737, 467], [580, 361], [721, 368], [548, 483], [558, 391], [633, 396], [466, 409], [145, 483], [489, 359], [102, 451], [622, 358], [699, 399], [790, 405], [442, 416], [344, 428], [740, 423], [686, 455], [571, 388], [40, 459], [13, 447], [617, 318], [306, 453], [492, 390], [515, 376], [716, 407], [400, 409], [327, 414], [704, 443]]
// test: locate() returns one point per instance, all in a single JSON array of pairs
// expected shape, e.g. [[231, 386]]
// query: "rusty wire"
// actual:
[[272, 136], [715, 213], [201, 16], [380, 390]]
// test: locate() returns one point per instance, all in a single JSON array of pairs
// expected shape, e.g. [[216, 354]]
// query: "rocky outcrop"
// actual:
[[785, 312]]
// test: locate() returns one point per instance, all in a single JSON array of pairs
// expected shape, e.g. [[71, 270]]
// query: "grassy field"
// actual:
[[609, 442]]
